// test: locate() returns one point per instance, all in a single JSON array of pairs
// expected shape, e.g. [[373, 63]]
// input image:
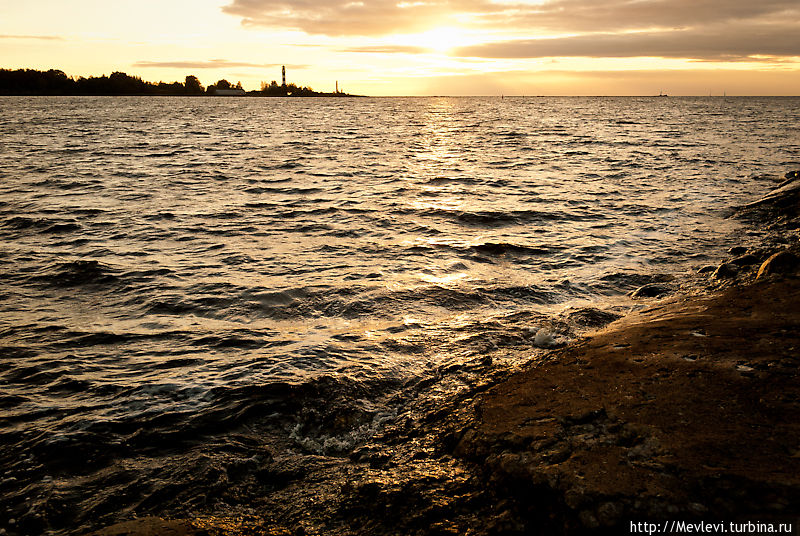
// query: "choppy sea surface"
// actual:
[[165, 260]]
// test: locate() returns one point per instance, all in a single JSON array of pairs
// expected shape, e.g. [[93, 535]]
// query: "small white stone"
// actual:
[[544, 339]]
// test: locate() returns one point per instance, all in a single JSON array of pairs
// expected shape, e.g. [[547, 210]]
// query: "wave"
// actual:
[[43, 225], [77, 273]]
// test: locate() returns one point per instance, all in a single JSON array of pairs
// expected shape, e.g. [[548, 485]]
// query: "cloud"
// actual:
[[733, 43], [386, 49], [379, 17], [615, 15], [38, 37], [357, 17], [212, 64]]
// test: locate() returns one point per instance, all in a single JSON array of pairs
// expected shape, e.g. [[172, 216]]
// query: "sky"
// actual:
[[421, 47]]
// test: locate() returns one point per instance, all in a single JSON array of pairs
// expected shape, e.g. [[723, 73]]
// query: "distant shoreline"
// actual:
[[56, 83]]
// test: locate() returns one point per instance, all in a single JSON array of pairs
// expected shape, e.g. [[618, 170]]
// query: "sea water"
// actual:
[[165, 262]]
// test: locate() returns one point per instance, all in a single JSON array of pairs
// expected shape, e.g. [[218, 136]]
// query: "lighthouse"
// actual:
[[283, 75]]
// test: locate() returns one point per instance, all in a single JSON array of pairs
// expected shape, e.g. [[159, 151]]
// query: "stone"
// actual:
[[737, 250], [725, 270], [745, 260], [707, 269], [651, 290], [608, 514], [544, 339], [588, 519], [782, 262]]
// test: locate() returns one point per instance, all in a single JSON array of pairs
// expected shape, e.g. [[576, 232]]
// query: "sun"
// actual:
[[440, 39]]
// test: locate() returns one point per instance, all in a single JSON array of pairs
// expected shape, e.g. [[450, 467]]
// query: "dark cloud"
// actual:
[[734, 43], [377, 17], [37, 37], [352, 17], [211, 64], [615, 15]]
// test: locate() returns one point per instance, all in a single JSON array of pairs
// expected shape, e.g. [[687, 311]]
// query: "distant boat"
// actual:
[[662, 94]]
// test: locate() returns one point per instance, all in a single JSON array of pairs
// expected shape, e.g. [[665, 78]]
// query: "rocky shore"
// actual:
[[684, 410]]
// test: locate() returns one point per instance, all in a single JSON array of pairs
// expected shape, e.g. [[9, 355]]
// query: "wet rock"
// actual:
[[745, 260], [725, 270], [651, 290], [782, 262], [591, 317], [737, 250], [707, 269]]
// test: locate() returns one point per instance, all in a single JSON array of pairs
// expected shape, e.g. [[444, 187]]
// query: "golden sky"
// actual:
[[421, 47]]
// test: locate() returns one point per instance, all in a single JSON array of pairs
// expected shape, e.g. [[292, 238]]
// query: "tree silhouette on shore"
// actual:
[[56, 82]]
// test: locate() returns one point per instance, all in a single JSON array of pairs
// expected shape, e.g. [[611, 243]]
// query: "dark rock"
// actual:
[[745, 260], [786, 194], [782, 262], [514, 442], [586, 417], [561, 454], [651, 290], [725, 270], [707, 269], [588, 519], [609, 513], [592, 317], [737, 250]]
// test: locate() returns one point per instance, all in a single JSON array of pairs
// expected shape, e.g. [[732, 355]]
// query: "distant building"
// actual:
[[230, 92]]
